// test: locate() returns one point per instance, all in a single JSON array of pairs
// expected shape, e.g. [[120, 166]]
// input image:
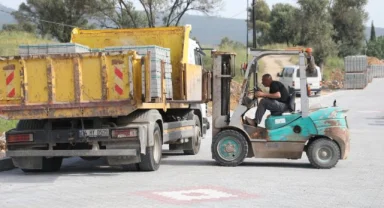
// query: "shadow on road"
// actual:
[[244, 164]]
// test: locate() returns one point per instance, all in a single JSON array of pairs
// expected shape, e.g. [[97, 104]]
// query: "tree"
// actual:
[[283, 29], [376, 48], [117, 14], [262, 18], [44, 13], [373, 32], [348, 17], [316, 29], [172, 11], [227, 43]]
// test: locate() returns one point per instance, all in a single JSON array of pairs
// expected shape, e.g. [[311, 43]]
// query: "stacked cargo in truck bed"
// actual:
[[52, 49], [158, 54]]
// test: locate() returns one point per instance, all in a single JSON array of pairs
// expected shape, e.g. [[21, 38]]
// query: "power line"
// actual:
[[242, 11], [41, 20]]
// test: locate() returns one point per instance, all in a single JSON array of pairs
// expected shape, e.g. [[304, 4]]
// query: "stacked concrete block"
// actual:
[[52, 49], [378, 71], [158, 54], [355, 80], [357, 75]]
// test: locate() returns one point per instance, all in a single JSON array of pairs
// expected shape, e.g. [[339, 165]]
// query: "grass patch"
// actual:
[[10, 41], [6, 125], [332, 64]]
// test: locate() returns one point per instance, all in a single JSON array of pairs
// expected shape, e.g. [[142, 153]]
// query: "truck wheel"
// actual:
[[323, 153], [151, 160], [49, 165], [229, 148], [196, 140]]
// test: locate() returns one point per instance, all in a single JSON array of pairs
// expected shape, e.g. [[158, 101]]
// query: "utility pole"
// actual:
[[254, 24], [247, 41]]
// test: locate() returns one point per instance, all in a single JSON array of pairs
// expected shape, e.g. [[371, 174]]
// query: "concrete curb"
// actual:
[[6, 164]]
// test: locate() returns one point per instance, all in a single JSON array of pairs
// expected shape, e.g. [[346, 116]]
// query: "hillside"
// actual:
[[234, 29], [4, 17]]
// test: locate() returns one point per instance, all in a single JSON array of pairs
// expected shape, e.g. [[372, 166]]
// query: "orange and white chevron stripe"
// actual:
[[119, 82], [10, 76]]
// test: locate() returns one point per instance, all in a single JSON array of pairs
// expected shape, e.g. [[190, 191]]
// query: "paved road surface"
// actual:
[[356, 182]]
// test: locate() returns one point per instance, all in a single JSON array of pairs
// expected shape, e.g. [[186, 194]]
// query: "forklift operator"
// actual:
[[276, 100]]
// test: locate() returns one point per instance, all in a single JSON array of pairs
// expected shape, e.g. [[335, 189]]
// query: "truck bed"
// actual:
[[102, 84], [71, 85]]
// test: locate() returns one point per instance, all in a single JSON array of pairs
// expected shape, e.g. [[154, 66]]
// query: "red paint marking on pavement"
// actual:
[[196, 195]]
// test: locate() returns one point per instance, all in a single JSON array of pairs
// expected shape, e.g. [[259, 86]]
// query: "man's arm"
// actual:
[[275, 93]]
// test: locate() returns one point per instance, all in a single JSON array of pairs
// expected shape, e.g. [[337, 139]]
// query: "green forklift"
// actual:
[[321, 133]]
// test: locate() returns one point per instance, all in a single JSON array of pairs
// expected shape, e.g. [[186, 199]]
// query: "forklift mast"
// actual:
[[223, 72]]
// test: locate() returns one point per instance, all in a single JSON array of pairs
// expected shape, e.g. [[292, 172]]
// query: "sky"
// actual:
[[236, 8]]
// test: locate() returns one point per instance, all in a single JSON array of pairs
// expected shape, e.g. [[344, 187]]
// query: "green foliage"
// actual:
[[283, 29], [348, 21], [68, 12], [376, 48], [317, 29], [10, 41], [373, 33], [118, 14], [6, 125], [262, 17]]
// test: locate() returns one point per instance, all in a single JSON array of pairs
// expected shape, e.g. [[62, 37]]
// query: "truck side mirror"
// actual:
[[278, 74]]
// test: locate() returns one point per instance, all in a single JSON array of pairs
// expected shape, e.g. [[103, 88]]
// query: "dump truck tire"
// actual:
[[49, 164], [195, 141], [323, 153], [151, 160], [229, 148]]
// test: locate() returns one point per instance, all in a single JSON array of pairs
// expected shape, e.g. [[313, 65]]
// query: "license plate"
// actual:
[[94, 133]]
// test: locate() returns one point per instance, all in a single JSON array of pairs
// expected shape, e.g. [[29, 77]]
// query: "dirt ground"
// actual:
[[375, 61], [274, 64]]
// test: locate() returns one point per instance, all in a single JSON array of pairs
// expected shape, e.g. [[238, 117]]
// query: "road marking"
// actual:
[[369, 111], [195, 195]]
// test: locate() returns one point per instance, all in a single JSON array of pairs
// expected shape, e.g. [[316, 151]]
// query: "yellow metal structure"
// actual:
[[174, 38], [98, 84]]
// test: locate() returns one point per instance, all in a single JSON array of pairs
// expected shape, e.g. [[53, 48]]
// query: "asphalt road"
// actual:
[[356, 182]]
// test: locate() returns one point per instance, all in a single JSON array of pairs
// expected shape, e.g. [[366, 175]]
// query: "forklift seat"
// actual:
[[291, 103]]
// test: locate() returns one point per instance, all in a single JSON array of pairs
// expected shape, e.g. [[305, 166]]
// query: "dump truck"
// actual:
[[132, 92]]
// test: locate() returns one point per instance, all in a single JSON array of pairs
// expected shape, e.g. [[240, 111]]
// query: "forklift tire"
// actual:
[[323, 153], [151, 160], [195, 141], [229, 148]]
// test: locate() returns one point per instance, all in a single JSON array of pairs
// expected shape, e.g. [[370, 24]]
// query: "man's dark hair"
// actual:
[[267, 76]]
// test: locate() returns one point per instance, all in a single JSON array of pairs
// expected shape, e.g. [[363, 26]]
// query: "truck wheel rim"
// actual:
[[229, 149], [156, 148], [325, 154]]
